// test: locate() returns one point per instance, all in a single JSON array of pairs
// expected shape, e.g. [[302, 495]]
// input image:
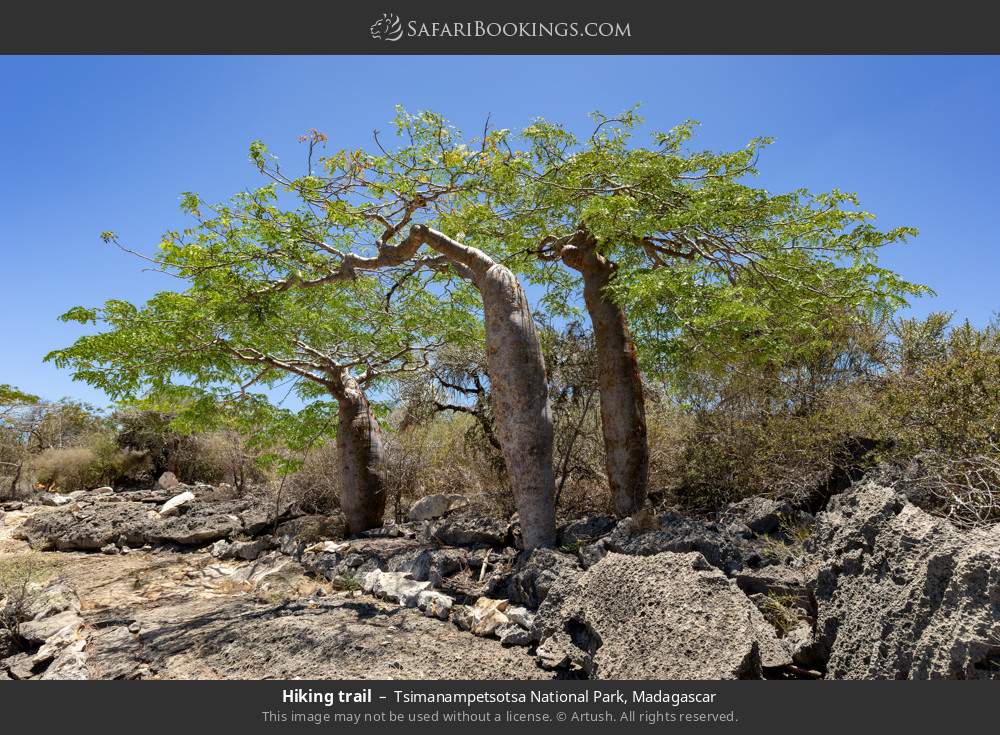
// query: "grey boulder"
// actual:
[[902, 594], [663, 616]]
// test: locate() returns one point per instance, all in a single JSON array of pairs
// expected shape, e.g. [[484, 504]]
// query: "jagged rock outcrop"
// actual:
[[53, 631], [245, 550], [661, 616], [904, 595], [760, 515], [721, 547], [469, 529], [123, 520], [536, 572], [584, 530]]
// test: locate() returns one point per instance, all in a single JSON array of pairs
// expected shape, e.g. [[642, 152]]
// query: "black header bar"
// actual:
[[512, 27]]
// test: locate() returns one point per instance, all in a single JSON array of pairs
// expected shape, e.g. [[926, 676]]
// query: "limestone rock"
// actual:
[[168, 481], [103, 523], [584, 530], [63, 625], [430, 507], [246, 550], [52, 499], [722, 548], [535, 573], [70, 664], [513, 635], [592, 553], [761, 515], [434, 604], [470, 530], [663, 616], [487, 616], [174, 505], [520, 616], [397, 587], [779, 582], [904, 595], [55, 597]]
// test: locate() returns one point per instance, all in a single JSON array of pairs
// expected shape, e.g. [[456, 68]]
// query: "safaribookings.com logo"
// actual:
[[390, 28], [387, 28]]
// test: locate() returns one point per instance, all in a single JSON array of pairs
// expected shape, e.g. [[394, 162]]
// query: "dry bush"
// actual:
[[315, 486], [939, 411], [215, 457], [65, 469], [96, 461], [442, 455], [669, 431], [19, 590], [713, 457], [964, 490]]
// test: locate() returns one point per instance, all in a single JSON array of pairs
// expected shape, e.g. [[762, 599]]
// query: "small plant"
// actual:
[[574, 546], [19, 590], [796, 533], [346, 583], [780, 611]]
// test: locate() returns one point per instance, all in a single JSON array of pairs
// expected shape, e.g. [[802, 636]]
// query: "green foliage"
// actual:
[[760, 317], [945, 393], [709, 267], [11, 396]]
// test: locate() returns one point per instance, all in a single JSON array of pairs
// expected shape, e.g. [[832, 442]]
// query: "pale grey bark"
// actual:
[[519, 388]]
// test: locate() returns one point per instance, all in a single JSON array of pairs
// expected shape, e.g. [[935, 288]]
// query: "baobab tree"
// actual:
[[670, 245], [222, 344], [679, 244], [365, 212], [369, 216]]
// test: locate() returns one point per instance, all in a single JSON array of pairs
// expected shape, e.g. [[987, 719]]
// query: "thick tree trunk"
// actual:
[[520, 403], [360, 457], [623, 410], [519, 388]]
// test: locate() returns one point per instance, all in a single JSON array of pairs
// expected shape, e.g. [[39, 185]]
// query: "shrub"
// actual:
[[98, 461], [442, 455], [19, 590], [315, 486]]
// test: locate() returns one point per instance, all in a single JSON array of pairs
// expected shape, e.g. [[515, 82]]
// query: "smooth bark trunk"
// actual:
[[623, 409], [360, 458], [519, 388]]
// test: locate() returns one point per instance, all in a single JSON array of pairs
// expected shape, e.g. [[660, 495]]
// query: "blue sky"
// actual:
[[99, 143]]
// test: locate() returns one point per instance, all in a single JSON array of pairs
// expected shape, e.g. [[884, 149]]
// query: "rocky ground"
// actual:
[[186, 582]]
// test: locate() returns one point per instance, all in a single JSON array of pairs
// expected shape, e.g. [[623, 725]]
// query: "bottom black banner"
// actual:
[[522, 706]]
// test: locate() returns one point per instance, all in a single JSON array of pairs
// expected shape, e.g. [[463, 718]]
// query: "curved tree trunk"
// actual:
[[519, 387], [360, 457], [520, 402], [623, 410]]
